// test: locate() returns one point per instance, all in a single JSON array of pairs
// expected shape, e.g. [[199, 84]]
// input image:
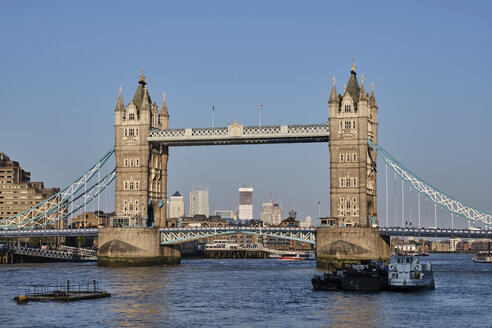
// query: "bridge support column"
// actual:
[[337, 245], [133, 247]]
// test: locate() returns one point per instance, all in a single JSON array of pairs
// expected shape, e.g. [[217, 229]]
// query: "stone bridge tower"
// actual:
[[141, 167], [141, 184], [353, 118]]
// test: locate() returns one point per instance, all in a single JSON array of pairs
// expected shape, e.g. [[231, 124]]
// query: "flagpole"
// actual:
[[261, 106], [213, 111]]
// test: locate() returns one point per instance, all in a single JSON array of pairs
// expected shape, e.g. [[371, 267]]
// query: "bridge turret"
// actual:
[[334, 102], [164, 114], [119, 109]]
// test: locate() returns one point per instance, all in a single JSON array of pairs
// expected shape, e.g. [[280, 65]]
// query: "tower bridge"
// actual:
[[141, 149]]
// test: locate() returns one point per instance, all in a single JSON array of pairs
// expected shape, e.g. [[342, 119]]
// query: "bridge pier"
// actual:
[[133, 247], [337, 245]]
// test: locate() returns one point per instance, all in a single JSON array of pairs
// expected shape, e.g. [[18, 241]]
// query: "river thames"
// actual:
[[245, 293]]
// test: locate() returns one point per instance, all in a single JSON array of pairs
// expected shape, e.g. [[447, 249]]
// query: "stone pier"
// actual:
[[337, 245], [133, 247]]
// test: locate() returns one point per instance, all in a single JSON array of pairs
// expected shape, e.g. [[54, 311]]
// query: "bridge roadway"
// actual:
[[173, 234]]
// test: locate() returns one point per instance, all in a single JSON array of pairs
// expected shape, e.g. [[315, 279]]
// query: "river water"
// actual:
[[245, 293]]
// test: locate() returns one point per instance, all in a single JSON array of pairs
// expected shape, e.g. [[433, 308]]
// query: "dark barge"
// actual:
[[58, 293]]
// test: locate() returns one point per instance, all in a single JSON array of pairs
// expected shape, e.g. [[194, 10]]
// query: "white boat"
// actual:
[[297, 256], [483, 257], [225, 244], [408, 274]]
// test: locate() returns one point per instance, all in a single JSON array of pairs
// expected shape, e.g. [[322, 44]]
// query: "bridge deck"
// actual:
[[236, 134]]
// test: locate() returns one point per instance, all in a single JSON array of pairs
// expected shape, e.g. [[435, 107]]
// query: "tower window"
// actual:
[[348, 157], [131, 116], [341, 125], [347, 125], [353, 125], [348, 108], [354, 156], [341, 158], [355, 182]]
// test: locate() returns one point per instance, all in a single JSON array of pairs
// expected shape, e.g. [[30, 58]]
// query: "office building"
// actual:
[[245, 203], [176, 206], [272, 214], [199, 201]]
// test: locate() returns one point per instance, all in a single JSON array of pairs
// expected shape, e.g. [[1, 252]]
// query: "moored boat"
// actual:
[[408, 274], [483, 257], [368, 277], [297, 256], [371, 276]]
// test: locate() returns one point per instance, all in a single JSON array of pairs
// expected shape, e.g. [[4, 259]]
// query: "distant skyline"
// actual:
[[63, 62]]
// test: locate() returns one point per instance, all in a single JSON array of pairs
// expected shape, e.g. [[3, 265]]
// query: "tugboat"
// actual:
[[408, 274]]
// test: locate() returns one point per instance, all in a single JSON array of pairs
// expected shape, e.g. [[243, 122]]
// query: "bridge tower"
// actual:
[[141, 186], [141, 167], [353, 118]]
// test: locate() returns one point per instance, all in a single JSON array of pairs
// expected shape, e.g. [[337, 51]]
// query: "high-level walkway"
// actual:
[[237, 134]]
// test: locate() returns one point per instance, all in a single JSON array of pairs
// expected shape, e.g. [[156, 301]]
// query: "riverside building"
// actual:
[[17, 192]]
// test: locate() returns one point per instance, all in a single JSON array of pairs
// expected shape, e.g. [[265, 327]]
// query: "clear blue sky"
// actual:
[[62, 63]]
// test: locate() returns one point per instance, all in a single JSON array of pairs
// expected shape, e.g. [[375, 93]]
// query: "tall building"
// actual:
[[272, 213], [141, 167], [245, 203], [176, 206], [353, 119], [17, 193], [199, 201]]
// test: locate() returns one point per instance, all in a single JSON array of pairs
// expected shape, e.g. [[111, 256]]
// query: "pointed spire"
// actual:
[[333, 94], [164, 111], [353, 84], [362, 93], [373, 98], [120, 106], [145, 105]]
